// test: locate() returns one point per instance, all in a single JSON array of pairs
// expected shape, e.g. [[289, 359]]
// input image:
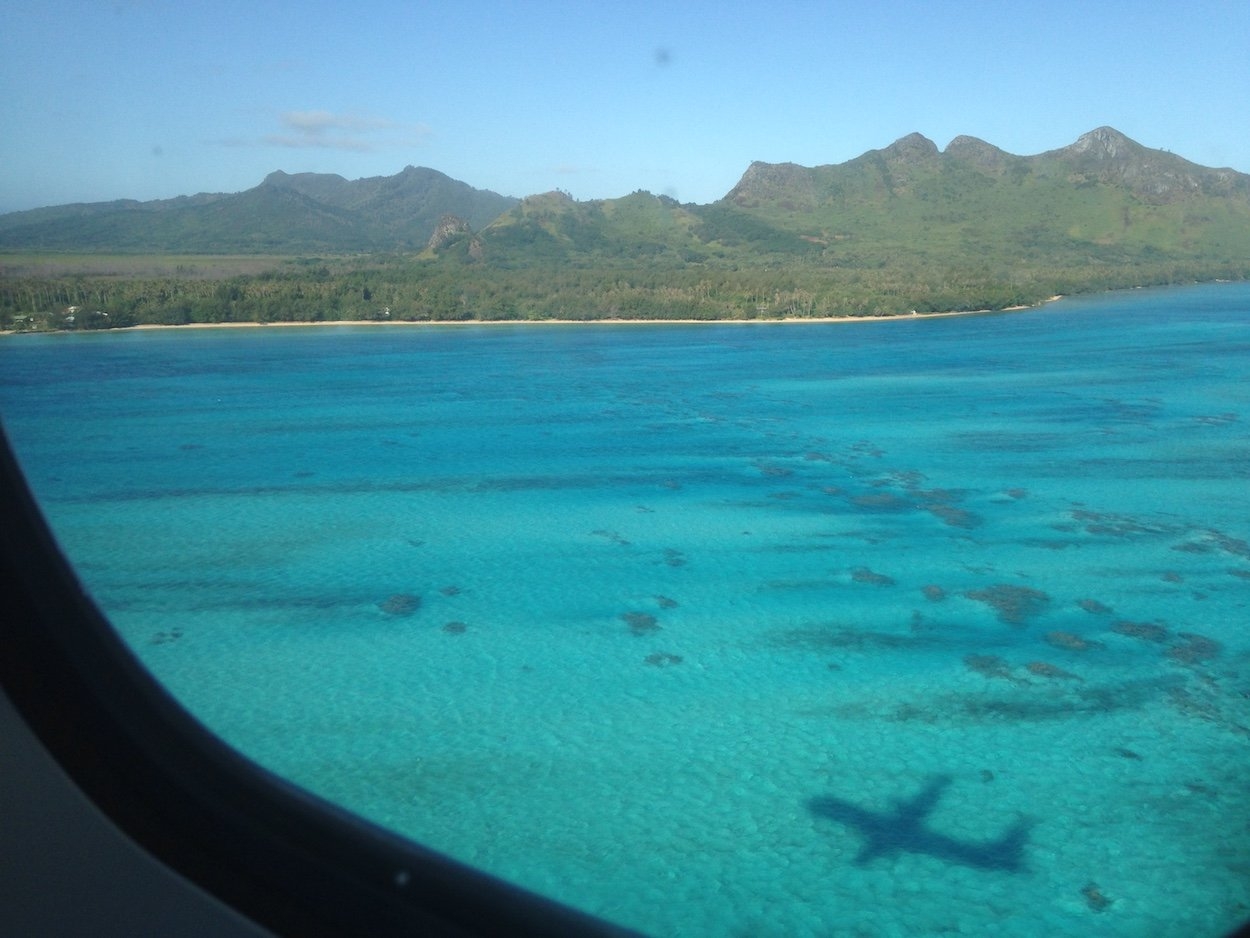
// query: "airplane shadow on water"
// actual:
[[888, 833]]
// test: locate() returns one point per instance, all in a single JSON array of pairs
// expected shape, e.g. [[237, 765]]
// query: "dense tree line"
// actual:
[[400, 289]]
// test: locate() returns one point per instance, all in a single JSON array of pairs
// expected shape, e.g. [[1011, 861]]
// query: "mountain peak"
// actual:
[[1104, 143], [913, 147], [1108, 156], [301, 181], [977, 152]]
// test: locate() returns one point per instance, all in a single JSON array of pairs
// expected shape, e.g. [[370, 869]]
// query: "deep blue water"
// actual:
[[910, 627]]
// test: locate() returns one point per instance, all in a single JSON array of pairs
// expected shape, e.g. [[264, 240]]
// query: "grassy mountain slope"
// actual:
[[1103, 200], [1105, 203], [553, 228]]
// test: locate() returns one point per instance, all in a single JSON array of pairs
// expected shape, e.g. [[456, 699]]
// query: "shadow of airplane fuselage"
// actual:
[[888, 833]]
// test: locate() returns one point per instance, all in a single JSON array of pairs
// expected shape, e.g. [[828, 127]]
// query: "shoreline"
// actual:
[[789, 320]]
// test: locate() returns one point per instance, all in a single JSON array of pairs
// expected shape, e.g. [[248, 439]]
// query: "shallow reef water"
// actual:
[[918, 627]]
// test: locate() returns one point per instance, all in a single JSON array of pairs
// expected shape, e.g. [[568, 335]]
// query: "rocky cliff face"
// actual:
[[785, 182], [450, 229], [1106, 155]]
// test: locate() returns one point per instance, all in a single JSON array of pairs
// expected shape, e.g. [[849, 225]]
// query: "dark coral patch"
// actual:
[[640, 623], [989, 666], [1190, 547], [611, 536], [662, 659], [1094, 607], [1070, 642], [1109, 524], [1094, 897], [400, 604], [1047, 670], [665, 603], [954, 517], [882, 501], [1197, 648], [451, 591], [1015, 605], [1230, 545], [454, 628], [674, 557], [821, 638], [1199, 705], [864, 575], [1146, 631], [933, 593], [775, 472], [1048, 543], [908, 478]]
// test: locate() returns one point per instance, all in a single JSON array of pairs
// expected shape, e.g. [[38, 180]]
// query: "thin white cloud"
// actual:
[[327, 130], [323, 141], [318, 123]]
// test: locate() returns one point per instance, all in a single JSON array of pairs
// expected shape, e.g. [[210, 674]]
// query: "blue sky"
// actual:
[[105, 99]]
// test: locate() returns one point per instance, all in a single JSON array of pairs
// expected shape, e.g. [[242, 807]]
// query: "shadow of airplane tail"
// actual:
[[904, 830]]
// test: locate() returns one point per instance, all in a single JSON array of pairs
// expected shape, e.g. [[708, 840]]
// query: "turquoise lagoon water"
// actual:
[[914, 627]]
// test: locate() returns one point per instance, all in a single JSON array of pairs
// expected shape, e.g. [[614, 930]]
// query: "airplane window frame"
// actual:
[[280, 856]]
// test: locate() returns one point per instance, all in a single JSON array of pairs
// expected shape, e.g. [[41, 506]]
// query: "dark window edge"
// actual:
[[281, 857]]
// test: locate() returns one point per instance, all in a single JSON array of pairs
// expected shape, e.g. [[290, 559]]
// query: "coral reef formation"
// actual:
[[674, 557], [1047, 670], [1094, 897], [400, 604], [662, 659], [1015, 605], [864, 575], [1197, 648], [990, 666], [640, 623], [1146, 631], [1094, 607], [1070, 641]]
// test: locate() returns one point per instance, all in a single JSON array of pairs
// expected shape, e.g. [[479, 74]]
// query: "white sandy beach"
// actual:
[[577, 322]]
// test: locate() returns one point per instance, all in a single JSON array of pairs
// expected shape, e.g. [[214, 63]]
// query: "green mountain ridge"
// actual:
[[1104, 200], [285, 214]]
